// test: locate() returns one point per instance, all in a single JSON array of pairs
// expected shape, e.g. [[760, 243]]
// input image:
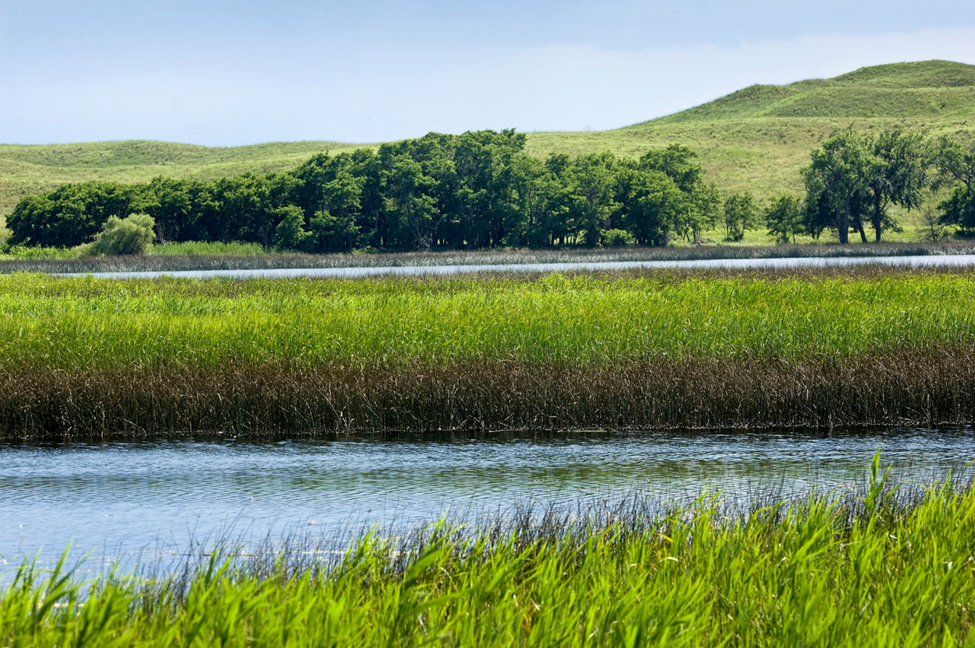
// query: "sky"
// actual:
[[232, 72]]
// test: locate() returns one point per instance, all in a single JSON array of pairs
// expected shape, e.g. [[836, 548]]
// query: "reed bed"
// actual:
[[247, 256], [884, 567], [86, 358]]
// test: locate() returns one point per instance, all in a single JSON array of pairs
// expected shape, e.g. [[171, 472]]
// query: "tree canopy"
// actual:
[[476, 190]]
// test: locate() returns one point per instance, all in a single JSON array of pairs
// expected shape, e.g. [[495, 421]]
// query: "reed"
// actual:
[[246, 256], [85, 358], [879, 568]]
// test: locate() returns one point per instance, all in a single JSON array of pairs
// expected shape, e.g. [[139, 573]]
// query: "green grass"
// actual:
[[610, 319], [756, 139], [191, 256], [203, 248], [98, 359], [881, 569]]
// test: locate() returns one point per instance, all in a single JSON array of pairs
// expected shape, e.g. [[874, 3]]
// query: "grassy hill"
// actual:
[[31, 169], [759, 137], [756, 139]]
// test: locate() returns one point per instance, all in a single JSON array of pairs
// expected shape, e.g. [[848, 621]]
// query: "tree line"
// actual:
[[482, 190], [476, 190], [854, 179]]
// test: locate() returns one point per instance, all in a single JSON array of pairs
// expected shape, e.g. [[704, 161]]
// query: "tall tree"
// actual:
[[740, 213], [783, 217], [652, 206], [955, 162], [896, 173], [836, 181]]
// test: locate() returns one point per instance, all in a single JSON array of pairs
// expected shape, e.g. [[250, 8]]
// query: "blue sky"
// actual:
[[218, 72]]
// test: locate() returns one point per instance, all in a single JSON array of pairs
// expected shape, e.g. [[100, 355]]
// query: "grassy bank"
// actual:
[[92, 358], [886, 568]]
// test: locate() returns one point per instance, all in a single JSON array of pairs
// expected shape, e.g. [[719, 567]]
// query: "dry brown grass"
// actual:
[[896, 388]]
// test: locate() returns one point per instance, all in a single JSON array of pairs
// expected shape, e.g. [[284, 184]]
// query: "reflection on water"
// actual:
[[124, 497]]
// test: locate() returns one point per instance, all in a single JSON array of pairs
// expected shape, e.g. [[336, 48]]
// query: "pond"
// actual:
[[117, 501]]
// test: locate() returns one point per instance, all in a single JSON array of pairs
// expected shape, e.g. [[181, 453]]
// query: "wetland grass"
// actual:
[[173, 257], [85, 358], [884, 567]]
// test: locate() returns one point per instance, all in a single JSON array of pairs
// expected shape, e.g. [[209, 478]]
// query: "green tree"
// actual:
[[896, 173], [740, 214], [594, 205], [836, 183], [290, 234], [652, 205], [783, 217], [959, 210], [955, 162], [703, 199], [409, 204], [72, 214]]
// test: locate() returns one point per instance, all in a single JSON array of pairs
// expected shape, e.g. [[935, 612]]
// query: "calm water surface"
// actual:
[[127, 499]]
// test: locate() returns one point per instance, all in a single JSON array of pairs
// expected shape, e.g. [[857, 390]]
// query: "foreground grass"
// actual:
[[884, 569], [89, 358]]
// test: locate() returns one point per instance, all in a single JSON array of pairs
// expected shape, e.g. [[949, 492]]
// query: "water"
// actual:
[[944, 260], [123, 500]]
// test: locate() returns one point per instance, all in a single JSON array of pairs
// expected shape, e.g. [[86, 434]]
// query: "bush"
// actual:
[[131, 235], [617, 238]]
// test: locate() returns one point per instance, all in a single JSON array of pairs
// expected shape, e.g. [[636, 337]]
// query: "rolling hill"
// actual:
[[756, 139]]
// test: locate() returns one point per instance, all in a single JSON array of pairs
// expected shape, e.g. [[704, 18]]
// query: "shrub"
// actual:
[[617, 238], [131, 235]]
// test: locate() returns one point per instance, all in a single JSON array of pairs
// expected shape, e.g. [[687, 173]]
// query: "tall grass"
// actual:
[[86, 358], [204, 248], [881, 569], [78, 323], [245, 256]]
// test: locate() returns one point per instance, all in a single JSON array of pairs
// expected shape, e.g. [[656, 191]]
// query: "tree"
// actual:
[[121, 236], [592, 185], [836, 182], [409, 204], [703, 199], [72, 214], [955, 162], [959, 210], [896, 173], [854, 178], [329, 233], [783, 217], [290, 233], [479, 189], [740, 213], [652, 205]]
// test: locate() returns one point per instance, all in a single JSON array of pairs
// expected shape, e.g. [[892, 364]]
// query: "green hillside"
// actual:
[[755, 139], [31, 169], [758, 138]]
